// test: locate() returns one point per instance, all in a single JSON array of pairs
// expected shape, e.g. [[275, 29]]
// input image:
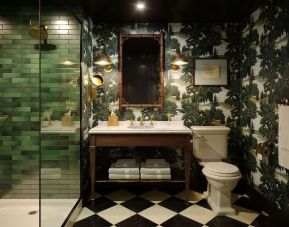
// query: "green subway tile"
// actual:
[[5, 61], [11, 36]]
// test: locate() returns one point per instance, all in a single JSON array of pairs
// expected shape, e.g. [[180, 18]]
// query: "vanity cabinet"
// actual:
[[120, 136]]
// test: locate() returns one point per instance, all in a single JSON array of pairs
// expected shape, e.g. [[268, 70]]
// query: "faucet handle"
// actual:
[[131, 122], [152, 120], [169, 116], [141, 123]]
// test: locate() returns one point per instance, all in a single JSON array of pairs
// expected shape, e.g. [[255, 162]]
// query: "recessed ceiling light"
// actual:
[[140, 6]]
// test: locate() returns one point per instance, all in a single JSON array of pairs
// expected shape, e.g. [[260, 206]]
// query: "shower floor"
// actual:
[[53, 212]]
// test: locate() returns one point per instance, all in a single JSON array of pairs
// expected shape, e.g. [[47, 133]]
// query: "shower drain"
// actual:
[[32, 212]]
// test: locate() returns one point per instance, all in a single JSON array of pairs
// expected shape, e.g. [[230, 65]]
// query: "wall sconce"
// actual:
[[178, 61], [96, 80], [104, 60]]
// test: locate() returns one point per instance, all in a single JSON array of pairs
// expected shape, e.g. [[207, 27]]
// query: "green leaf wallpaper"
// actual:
[[258, 63], [264, 69]]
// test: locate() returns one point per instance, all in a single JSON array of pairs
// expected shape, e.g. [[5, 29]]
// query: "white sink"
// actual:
[[124, 127]]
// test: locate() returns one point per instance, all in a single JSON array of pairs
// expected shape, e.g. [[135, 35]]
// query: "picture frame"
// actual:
[[210, 72]]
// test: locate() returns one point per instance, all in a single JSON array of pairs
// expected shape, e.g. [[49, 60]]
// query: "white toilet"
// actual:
[[210, 148]]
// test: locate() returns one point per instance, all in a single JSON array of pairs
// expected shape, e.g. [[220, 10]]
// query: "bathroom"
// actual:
[[53, 93]]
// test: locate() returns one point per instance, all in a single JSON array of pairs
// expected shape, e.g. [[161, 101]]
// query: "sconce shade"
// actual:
[[179, 60], [97, 80], [102, 60]]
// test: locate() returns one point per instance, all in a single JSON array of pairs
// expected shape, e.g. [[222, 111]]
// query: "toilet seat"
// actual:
[[221, 169]]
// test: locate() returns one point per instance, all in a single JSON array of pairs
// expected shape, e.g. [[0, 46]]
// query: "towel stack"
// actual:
[[155, 169], [124, 169]]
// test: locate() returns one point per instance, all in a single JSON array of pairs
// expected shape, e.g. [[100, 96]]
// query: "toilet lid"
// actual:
[[222, 168]]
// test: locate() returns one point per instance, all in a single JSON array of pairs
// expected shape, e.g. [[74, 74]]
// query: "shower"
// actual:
[[40, 33]]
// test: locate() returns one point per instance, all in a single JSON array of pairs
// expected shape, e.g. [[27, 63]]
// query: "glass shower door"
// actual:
[[60, 111]]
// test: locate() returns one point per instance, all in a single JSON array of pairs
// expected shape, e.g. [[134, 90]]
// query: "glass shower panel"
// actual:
[[60, 111], [19, 114]]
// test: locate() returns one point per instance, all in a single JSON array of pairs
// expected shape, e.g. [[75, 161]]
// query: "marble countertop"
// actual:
[[57, 127], [124, 127]]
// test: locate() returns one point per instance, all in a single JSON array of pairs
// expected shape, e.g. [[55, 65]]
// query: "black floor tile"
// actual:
[[100, 204], [171, 189], [266, 221], [224, 221], [92, 221], [175, 204], [250, 203], [204, 203], [105, 189], [136, 221], [180, 221], [137, 204], [138, 189]]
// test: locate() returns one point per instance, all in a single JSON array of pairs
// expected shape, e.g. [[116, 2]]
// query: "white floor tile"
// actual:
[[157, 214], [84, 213], [116, 214], [120, 196], [155, 196], [199, 214], [244, 215]]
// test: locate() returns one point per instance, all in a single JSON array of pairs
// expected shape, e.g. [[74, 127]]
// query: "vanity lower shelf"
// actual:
[[116, 136], [177, 177]]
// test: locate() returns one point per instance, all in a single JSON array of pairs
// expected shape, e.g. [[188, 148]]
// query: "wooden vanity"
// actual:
[[166, 134]]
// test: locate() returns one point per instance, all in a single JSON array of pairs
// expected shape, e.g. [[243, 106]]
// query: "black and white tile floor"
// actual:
[[146, 207]]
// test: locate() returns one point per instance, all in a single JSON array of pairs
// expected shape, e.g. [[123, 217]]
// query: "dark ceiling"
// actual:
[[118, 11]]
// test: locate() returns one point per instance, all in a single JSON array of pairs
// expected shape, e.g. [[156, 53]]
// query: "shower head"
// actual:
[[35, 33]]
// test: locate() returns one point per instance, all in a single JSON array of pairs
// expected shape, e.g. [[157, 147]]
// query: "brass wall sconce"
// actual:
[[102, 60], [97, 81], [105, 61], [178, 61]]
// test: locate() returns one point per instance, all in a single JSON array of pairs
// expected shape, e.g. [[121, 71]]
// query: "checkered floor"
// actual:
[[145, 207]]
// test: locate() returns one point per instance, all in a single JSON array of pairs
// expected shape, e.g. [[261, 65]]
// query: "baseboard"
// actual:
[[71, 218]]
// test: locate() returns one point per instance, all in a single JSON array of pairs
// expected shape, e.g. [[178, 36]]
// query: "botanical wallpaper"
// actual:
[[257, 53], [264, 71]]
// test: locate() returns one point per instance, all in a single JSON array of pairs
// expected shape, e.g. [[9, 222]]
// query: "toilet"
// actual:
[[210, 148]]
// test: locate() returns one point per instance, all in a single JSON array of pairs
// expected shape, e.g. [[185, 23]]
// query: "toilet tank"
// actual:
[[210, 143]]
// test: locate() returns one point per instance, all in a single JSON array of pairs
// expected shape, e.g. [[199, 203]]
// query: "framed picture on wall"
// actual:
[[210, 72]]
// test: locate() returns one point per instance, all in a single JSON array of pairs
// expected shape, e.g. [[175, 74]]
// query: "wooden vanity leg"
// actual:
[[187, 157], [92, 171]]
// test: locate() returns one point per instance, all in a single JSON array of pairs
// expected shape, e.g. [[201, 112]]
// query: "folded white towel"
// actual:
[[283, 137], [155, 171], [125, 163], [155, 177], [123, 176], [154, 163], [117, 170]]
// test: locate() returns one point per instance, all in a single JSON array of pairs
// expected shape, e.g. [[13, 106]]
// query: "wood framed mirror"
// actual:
[[141, 71]]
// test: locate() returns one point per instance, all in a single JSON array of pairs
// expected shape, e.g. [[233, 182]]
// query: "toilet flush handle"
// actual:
[[199, 136]]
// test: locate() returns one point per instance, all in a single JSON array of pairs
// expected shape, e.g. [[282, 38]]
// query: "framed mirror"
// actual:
[[141, 70]]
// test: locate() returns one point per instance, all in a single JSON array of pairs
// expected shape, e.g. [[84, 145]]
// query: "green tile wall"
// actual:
[[19, 100]]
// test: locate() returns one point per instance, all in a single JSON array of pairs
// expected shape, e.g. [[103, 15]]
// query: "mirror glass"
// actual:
[[141, 71]]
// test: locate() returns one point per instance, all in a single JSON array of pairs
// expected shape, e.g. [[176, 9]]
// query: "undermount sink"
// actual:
[[140, 126]]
